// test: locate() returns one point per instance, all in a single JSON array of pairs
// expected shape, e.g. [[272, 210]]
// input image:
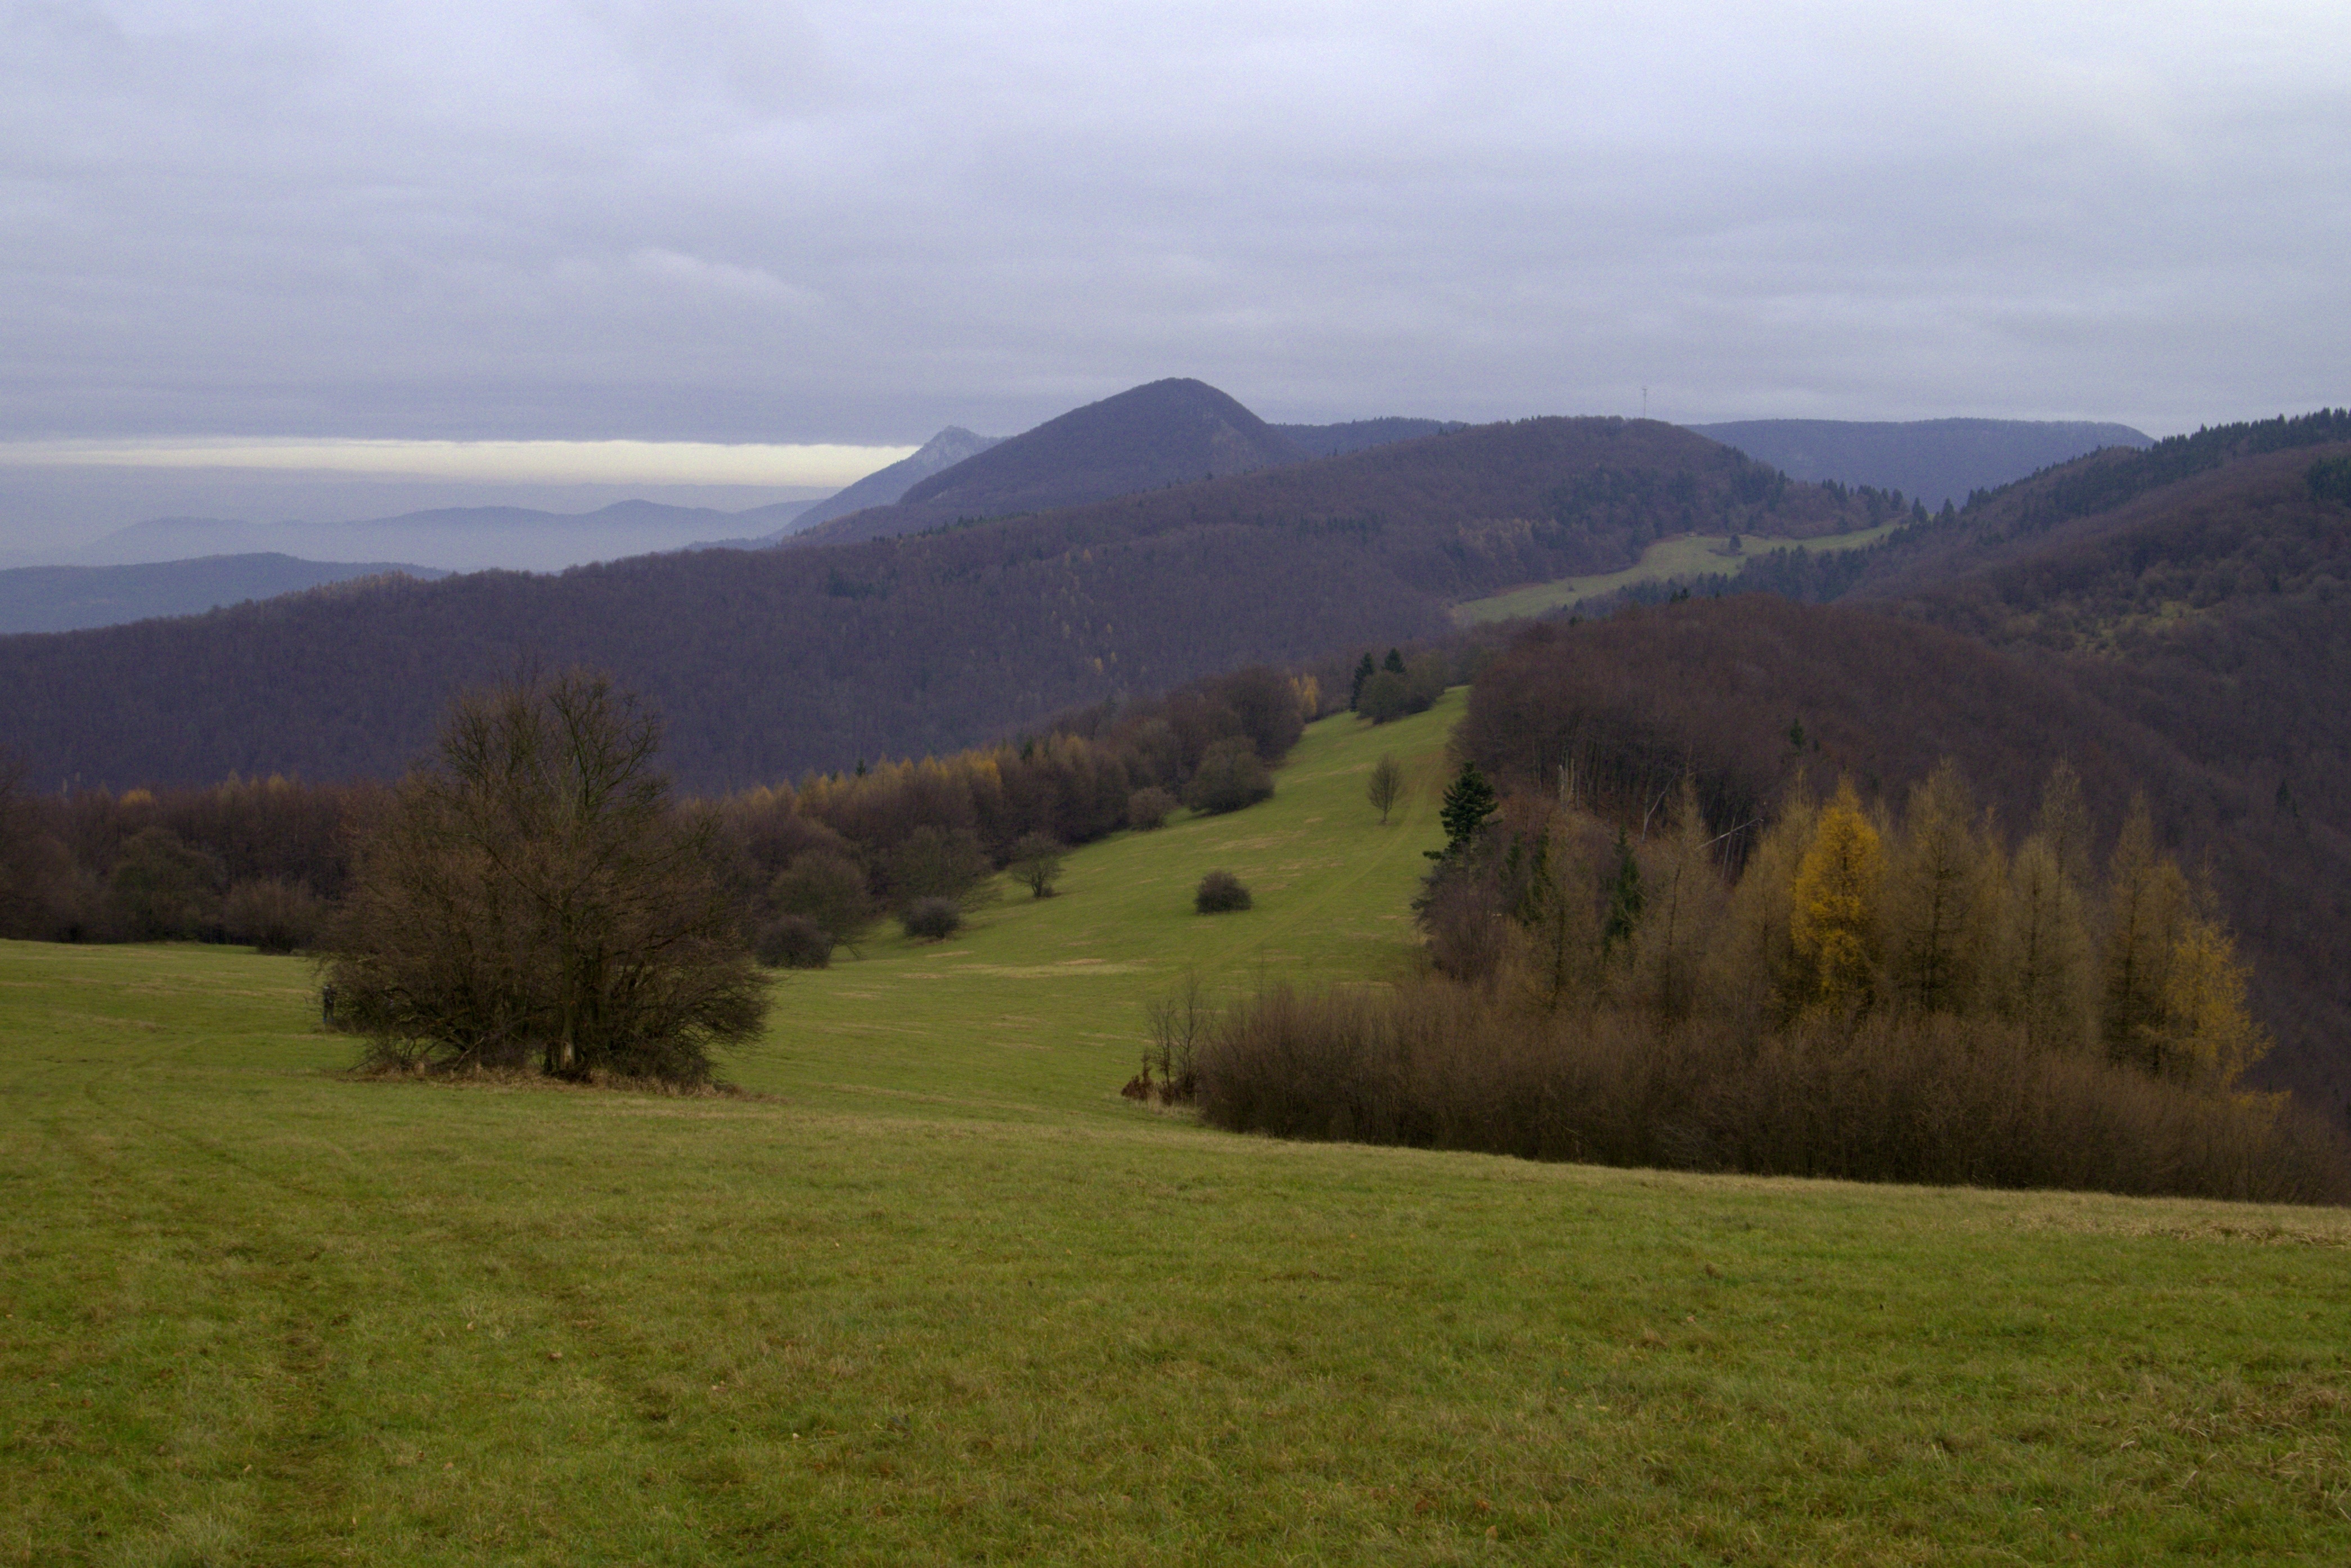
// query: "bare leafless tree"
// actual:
[[540, 895], [1386, 788]]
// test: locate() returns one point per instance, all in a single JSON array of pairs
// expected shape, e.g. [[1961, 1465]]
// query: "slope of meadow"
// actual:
[[935, 1294]]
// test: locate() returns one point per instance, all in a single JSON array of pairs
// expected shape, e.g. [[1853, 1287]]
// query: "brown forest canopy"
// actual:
[[1744, 692]]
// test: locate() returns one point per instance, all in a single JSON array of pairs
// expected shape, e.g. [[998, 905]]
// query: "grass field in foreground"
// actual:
[[1683, 555], [257, 1313]]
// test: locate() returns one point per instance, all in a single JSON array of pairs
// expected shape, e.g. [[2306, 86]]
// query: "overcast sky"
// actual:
[[712, 221]]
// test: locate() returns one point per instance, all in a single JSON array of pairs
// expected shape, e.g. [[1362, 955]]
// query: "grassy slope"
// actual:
[[1037, 1009], [947, 1298], [1683, 555]]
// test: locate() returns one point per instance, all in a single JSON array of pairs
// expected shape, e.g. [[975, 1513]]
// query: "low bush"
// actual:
[[1149, 807], [932, 920], [1220, 892], [1939, 1100], [794, 941], [825, 888]]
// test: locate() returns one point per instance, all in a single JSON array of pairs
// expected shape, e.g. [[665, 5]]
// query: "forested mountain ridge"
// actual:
[[771, 663], [1933, 460], [1146, 438], [2096, 495], [885, 485], [1362, 435]]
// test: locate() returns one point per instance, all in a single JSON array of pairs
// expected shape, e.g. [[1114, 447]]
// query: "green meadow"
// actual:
[[1683, 555], [928, 1291]]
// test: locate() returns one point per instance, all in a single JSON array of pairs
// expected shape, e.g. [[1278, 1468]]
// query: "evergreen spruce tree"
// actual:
[[1469, 802]]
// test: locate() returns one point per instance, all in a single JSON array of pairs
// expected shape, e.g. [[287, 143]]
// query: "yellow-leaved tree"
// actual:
[[1751, 974], [1833, 920], [2208, 1035]]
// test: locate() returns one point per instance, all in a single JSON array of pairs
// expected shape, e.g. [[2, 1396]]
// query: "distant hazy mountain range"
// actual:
[[457, 539], [883, 486], [70, 598], [1932, 460], [1169, 432]]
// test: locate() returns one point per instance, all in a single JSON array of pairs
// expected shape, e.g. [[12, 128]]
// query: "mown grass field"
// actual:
[[934, 1293], [1683, 555]]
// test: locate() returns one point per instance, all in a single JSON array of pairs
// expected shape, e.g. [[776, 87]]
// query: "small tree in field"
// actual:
[[539, 895], [1036, 862], [1386, 787]]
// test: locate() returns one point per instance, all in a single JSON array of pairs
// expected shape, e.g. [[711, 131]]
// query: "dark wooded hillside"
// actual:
[[769, 663], [1747, 691], [1147, 438]]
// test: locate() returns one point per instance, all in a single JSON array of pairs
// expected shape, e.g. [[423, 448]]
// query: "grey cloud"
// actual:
[[863, 222]]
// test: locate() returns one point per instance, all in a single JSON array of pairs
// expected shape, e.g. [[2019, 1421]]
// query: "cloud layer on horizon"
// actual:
[[753, 222]]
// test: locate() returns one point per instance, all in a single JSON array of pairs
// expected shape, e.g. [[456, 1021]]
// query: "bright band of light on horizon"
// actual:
[[535, 461]]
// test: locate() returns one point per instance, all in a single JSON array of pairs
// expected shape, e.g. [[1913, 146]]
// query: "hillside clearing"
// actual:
[[1683, 555]]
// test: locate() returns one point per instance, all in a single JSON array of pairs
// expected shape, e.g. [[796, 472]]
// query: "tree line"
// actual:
[[807, 865], [1873, 995]]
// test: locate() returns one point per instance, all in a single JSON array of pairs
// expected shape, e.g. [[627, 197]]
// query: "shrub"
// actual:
[[1220, 892], [794, 941], [934, 862], [1179, 1025], [1394, 693], [1036, 862], [163, 887], [1148, 807], [932, 919], [1230, 776], [1939, 1100], [825, 887], [274, 917]]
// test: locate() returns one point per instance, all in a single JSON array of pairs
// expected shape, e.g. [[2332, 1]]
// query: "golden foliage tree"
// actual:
[[1753, 974], [2208, 1035], [1833, 924]]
